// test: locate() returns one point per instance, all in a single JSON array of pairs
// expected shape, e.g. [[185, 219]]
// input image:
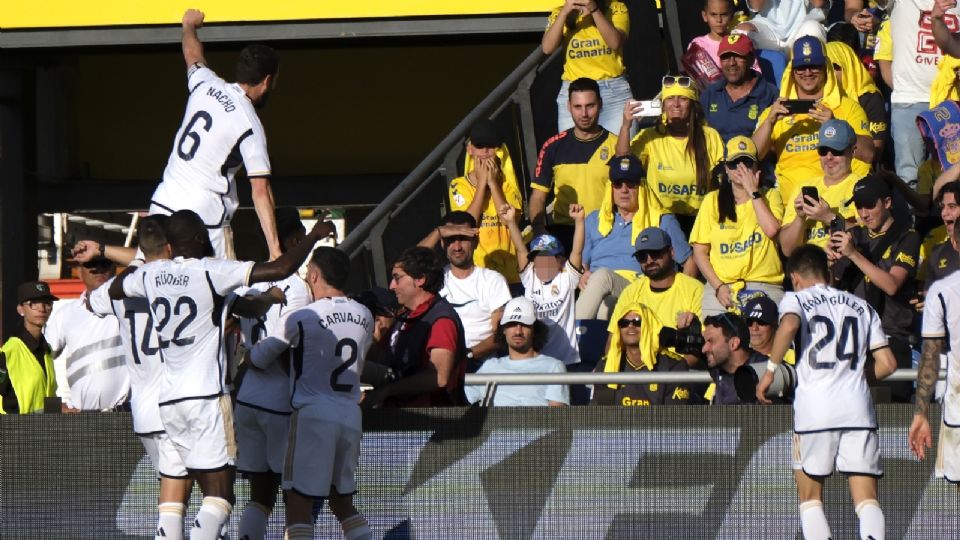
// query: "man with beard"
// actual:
[[732, 105], [674, 297], [477, 294], [89, 357], [726, 347], [220, 132]]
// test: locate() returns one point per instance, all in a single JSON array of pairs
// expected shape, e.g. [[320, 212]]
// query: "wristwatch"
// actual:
[[756, 195]]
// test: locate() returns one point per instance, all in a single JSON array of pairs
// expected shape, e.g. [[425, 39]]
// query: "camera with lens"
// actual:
[[687, 340], [747, 377]]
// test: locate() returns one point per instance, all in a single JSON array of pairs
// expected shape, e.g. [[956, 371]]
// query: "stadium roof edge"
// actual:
[[294, 30]]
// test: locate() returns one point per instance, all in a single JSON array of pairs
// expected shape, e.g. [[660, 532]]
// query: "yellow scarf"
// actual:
[[650, 327], [944, 85], [506, 165], [856, 79], [648, 214], [831, 90]]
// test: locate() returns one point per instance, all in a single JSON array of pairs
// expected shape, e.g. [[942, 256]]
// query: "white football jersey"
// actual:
[[89, 357], [941, 311], [837, 330], [328, 341], [141, 348], [555, 304], [220, 132], [475, 298], [188, 299], [269, 388]]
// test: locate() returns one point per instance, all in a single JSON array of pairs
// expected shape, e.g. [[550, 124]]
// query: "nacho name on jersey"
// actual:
[[222, 98], [810, 303]]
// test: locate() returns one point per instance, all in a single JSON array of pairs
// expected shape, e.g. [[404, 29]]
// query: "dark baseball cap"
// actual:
[[652, 239], [626, 168], [868, 191], [486, 134], [808, 51], [34, 290], [379, 301], [762, 308]]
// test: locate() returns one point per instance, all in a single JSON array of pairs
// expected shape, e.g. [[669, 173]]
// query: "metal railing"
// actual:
[[683, 377], [514, 90]]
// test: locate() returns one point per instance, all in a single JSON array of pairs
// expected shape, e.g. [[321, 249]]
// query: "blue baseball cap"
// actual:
[[808, 51], [546, 244], [652, 239], [836, 135], [626, 168]]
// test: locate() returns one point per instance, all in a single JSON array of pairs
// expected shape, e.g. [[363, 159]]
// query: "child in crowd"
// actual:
[[719, 16], [550, 281]]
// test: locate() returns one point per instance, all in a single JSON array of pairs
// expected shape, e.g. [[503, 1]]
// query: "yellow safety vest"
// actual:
[[30, 382]]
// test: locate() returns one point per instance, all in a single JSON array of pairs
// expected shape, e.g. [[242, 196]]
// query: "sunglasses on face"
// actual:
[[642, 256], [745, 161], [623, 323], [823, 151], [617, 184], [751, 322], [808, 68], [677, 80]]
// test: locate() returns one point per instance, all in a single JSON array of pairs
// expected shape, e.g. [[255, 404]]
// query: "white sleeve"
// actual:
[[253, 148], [558, 392], [497, 291], [934, 313], [270, 348], [198, 74], [876, 338], [790, 304], [100, 303], [53, 331], [573, 275], [133, 285], [228, 275]]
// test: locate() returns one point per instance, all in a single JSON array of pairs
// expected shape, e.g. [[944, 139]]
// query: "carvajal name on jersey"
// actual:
[[339, 317], [175, 280], [222, 98], [845, 299]]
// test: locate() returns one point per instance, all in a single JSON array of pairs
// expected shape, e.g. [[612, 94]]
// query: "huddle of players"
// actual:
[[297, 411]]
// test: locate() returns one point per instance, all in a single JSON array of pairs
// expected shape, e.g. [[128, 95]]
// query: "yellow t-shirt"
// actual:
[[494, 250], [671, 171], [686, 294], [739, 250], [795, 139], [576, 170], [884, 48], [836, 196], [585, 53]]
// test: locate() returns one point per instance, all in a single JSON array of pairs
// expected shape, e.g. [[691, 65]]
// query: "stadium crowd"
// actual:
[[654, 239]]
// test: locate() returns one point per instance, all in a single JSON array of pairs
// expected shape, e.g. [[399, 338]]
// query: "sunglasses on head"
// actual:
[[642, 256], [744, 160], [722, 319], [677, 80], [822, 151], [623, 323]]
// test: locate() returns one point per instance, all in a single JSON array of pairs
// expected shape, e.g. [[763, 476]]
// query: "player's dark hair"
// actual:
[[289, 225], [188, 235], [732, 326], [540, 332], [458, 217], [809, 260], [729, 3], [584, 84], [334, 266], [726, 202], [422, 263], [255, 63], [845, 32], [152, 234], [949, 187]]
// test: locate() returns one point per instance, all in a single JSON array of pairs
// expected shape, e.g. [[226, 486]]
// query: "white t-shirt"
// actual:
[[89, 357], [269, 388], [188, 299], [555, 307], [328, 342], [475, 298], [535, 395], [837, 330], [142, 351], [915, 53], [220, 132], [784, 17], [941, 312]]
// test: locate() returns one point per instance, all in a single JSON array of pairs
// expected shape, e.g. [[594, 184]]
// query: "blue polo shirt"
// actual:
[[615, 251], [731, 118]]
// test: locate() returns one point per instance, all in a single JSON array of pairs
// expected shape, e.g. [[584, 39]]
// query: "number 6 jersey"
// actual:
[[187, 298], [837, 330]]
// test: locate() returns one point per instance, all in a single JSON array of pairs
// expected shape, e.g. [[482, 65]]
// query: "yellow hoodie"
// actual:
[[650, 327]]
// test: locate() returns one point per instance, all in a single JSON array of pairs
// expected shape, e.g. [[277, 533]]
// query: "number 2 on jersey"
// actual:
[[347, 362], [191, 309], [845, 349], [187, 149]]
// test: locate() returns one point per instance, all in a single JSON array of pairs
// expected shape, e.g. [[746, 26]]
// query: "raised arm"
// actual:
[[579, 236], [508, 216], [946, 40], [85, 250], [553, 37], [265, 206], [287, 264], [192, 47]]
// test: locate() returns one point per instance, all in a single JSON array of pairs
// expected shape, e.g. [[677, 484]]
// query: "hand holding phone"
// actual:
[[809, 192], [799, 106]]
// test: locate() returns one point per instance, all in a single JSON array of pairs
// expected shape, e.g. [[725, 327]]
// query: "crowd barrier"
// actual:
[[580, 472]]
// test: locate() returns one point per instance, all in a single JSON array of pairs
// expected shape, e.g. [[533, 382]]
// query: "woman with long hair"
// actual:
[[679, 152], [592, 34], [734, 236]]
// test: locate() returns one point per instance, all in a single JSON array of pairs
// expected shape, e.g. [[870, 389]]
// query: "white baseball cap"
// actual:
[[519, 310]]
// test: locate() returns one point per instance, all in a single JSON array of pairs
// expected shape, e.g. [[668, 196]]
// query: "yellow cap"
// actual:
[[741, 146]]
